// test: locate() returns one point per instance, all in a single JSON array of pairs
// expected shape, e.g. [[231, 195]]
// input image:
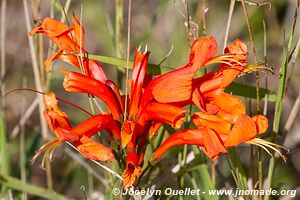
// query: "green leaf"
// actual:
[[122, 63], [202, 175], [16, 184], [250, 91]]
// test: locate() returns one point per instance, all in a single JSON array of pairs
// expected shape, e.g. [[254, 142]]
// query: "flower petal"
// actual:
[[161, 112], [240, 54], [94, 150], [261, 123], [127, 132], [212, 144], [57, 120], [230, 105], [115, 88], [187, 136], [138, 75], [214, 122], [132, 171], [78, 31], [70, 44], [51, 58], [94, 124], [243, 130], [75, 82], [202, 50], [154, 128]]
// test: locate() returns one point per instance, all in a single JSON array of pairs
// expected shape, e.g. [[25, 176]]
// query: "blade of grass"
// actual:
[[122, 63], [35, 71], [203, 176], [282, 76], [127, 57], [280, 95], [4, 164], [295, 107], [237, 170], [4, 157], [3, 47], [22, 146], [231, 8], [119, 29], [16, 184], [254, 54]]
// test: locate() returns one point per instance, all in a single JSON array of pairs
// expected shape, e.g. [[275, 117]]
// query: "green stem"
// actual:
[[4, 157], [280, 95], [16, 184], [238, 170]]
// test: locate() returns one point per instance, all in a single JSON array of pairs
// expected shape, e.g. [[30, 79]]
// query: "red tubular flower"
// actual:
[[212, 89], [94, 150], [186, 136], [57, 120], [132, 171], [75, 82], [214, 134], [167, 113], [165, 89], [224, 122], [94, 124], [61, 127], [70, 41], [137, 81]]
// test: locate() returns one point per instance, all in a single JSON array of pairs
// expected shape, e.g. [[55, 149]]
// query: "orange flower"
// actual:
[[70, 41], [151, 102], [214, 134], [223, 122], [132, 171], [138, 116], [61, 127], [57, 120], [176, 85], [209, 90], [222, 134]]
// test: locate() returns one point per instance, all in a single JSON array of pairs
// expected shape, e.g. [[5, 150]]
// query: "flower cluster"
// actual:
[[153, 100]]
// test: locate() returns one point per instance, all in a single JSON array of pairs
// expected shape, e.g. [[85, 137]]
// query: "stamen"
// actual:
[[44, 149], [273, 144], [257, 67], [50, 153], [264, 148], [219, 61], [223, 58], [266, 144]]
